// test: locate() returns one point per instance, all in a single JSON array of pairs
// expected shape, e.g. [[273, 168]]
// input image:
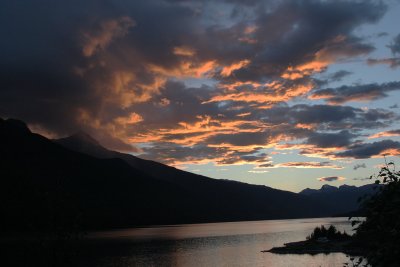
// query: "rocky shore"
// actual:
[[314, 247]]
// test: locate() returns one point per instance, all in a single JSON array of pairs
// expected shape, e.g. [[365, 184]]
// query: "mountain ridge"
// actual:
[[347, 195], [42, 178]]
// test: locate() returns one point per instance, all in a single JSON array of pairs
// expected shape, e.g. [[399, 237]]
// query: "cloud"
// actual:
[[368, 150], [331, 179], [257, 172], [170, 153], [385, 134], [392, 62], [324, 140], [339, 75], [120, 71], [305, 165], [362, 178], [395, 45], [357, 166], [233, 127], [98, 39], [362, 92]]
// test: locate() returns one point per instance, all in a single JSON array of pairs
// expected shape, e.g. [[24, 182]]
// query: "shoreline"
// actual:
[[314, 247]]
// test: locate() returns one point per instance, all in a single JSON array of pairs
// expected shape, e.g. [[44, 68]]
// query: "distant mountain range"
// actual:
[[74, 180], [343, 199]]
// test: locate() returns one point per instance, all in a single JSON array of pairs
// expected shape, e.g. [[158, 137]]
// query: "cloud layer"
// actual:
[[196, 81]]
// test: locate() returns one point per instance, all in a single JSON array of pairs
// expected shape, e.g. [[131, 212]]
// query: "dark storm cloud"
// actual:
[[111, 68], [360, 92], [339, 117], [340, 139], [64, 61], [295, 31], [367, 150]]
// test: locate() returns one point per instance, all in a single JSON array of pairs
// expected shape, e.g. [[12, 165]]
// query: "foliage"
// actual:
[[379, 234], [355, 262], [331, 233]]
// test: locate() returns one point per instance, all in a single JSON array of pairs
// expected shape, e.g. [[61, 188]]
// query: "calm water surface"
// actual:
[[212, 244]]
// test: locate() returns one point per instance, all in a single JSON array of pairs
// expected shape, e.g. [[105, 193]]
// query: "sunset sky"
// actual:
[[288, 94]]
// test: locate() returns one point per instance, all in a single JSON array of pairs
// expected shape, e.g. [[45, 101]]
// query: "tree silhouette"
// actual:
[[379, 234]]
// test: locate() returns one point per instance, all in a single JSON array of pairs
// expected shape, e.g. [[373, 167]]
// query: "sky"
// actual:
[[288, 94]]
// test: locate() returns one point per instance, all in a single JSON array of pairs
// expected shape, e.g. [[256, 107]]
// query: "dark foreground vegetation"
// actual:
[[330, 233], [376, 239]]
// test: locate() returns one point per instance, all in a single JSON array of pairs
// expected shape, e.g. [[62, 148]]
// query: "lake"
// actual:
[[211, 244]]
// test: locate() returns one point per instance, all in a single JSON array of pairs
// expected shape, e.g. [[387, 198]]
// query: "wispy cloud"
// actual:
[[331, 179], [358, 166]]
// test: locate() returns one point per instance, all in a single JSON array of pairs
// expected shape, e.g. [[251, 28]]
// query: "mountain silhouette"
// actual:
[[335, 200], [342, 199], [47, 183], [84, 143]]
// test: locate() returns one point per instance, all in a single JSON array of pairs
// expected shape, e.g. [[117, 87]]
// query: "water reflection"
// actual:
[[213, 244]]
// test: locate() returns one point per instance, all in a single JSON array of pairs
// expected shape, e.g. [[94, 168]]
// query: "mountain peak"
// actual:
[[17, 124], [327, 187], [83, 137], [347, 187], [81, 141]]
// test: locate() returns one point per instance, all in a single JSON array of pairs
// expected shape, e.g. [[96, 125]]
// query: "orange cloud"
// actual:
[[227, 71], [385, 134], [236, 85], [283, 94], [247, 38], [312, 151], [130, 119], [388, 152], [193, 133], [250, 29], [310, 126], [126, 90], [321, 59], [185, 69], [184, 51]]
